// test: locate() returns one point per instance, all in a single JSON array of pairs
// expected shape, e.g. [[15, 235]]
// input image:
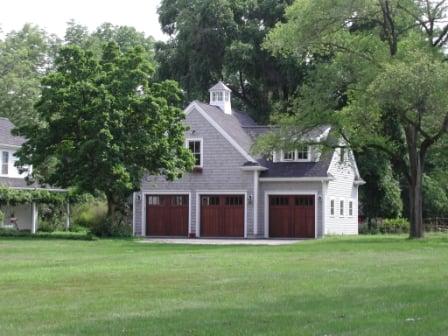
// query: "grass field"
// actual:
[[336, 286]]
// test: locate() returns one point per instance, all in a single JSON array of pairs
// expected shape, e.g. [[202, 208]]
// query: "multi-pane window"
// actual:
[[195, 148], [304, 201], [218, 96], [279, 200], [227, 96], [153, 200], [179, 200], [341, 208], [302, 153], [234, 200], [289, 156], [332, 207], [5, 163], [210, 200], [350, 208]]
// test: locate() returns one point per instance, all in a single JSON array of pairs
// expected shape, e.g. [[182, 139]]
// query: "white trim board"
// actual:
[[218, 192], [195, 105], [287, 193], [165, 192]]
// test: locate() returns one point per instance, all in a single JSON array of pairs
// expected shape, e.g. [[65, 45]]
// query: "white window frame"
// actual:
[[332, 200], [201, 141], [296, 159], [350, 208], [341, 207]]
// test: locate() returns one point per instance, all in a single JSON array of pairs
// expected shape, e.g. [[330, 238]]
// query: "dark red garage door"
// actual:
[[167, 215], [222, 216], [291, 216]]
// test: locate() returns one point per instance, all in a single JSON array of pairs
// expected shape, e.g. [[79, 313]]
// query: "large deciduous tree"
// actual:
[[105, 124], [384, 83], [25, 55], [221, 40]]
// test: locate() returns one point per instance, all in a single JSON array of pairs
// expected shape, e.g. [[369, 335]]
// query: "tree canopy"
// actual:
[[383, 83], [105, 123]]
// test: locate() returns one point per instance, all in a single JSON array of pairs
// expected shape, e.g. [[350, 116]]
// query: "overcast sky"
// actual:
[[54, 14]]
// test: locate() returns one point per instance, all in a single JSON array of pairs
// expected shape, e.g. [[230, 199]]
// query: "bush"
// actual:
[[106, 229], [12, 233], [51, 217], [395, 225]]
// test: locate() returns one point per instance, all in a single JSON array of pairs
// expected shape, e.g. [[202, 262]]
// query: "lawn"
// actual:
[[336, 286]]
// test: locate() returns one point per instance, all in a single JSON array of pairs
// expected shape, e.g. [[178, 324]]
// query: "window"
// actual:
[[304, 201], [289, 156], [234, 200], [302, 153], [227, 96], [341, 208], [195, 146], [153, 200], [279, 200], [5, 163], [342, 155], [210, 200], [178, 200], [332, 207], [350, 208]]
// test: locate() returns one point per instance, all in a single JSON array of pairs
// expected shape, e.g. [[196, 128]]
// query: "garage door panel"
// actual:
[[222, 216], [167, 215], [291, 216]]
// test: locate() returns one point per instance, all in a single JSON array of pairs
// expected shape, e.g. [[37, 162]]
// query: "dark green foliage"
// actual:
[[105, 124], [221, 40], [12, 233]]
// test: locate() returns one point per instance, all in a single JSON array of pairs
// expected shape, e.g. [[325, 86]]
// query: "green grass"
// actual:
[[375, 285]]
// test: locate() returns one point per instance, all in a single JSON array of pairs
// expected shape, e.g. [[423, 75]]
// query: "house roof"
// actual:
[[244, 130], [6, 136]]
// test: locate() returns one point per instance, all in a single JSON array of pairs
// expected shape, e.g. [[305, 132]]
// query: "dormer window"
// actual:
[[195, 146], [289, 156], [299, 155]]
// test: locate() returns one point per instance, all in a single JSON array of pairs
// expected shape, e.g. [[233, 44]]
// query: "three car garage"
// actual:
[[224, 216]]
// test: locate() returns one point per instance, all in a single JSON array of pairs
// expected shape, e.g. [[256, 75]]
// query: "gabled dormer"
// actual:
[[220, 96]]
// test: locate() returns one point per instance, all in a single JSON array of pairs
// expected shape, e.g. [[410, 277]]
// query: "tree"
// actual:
[[25, 55], [221, 40], [386, 63], [105, 124]]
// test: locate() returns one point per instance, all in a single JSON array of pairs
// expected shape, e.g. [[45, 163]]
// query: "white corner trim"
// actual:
[[255, 202], [288, 192], [194, 105]]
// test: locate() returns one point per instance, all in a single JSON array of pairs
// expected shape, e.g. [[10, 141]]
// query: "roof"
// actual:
[[244, 131], [219, 87], [6, 136]]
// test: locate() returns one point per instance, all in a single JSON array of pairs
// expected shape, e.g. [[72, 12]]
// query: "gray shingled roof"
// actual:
[[219, 86], [21, 183], [244, 130], [6, 137]]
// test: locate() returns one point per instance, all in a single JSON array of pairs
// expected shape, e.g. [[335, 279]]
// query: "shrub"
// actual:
[[395, 225], [106, 229]]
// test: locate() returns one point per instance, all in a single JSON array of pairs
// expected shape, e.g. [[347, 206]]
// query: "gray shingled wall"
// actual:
[[222, 172]]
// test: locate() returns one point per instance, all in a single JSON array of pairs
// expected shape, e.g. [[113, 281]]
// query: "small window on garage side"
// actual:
[[341, 208], [195, 146], [302, 153], [289, 156], [350, 208], [5, 163], [332, 207], [153, 200]]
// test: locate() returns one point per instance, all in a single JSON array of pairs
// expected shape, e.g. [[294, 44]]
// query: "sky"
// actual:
[[54, 14]]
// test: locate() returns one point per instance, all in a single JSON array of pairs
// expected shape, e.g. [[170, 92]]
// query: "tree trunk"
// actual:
[[111, 208], [415, 185]]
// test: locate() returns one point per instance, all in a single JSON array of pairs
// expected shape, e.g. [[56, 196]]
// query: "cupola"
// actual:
[[220, 97]]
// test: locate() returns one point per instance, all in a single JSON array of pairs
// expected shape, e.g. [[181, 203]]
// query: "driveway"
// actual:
[[204, 241]]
